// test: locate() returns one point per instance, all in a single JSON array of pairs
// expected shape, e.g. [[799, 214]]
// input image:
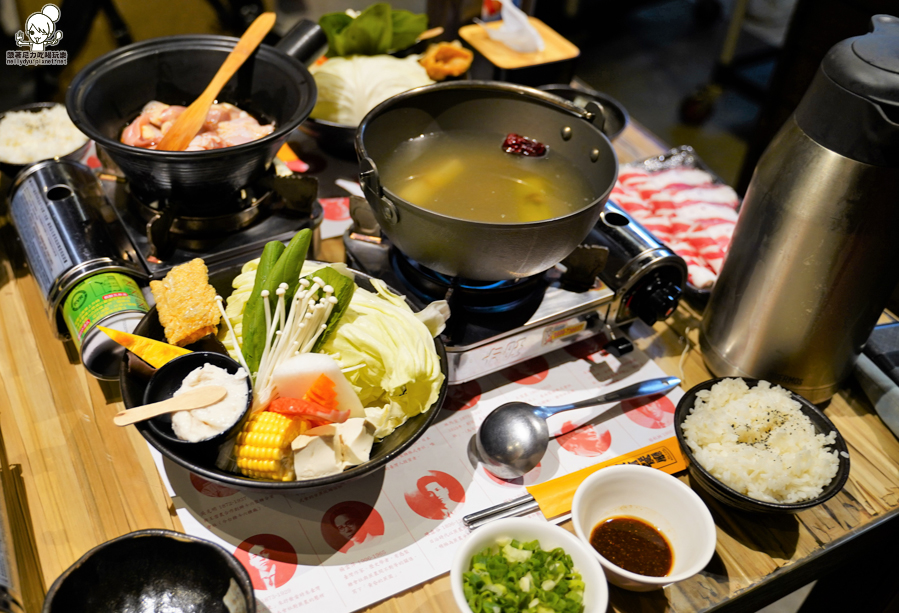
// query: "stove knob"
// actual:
[[619, 346], [655, 300]]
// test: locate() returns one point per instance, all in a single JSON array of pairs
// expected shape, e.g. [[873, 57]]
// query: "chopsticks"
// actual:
[[556, 495], [511, 508]]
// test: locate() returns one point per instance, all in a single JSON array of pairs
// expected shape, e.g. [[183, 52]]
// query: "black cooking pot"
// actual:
[[472, 249], [273, 85]]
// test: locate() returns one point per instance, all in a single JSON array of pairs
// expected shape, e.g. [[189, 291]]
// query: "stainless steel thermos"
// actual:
[[815, 253]]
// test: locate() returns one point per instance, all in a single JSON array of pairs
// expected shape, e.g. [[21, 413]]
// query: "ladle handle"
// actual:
[[194, 399], [643, 388]]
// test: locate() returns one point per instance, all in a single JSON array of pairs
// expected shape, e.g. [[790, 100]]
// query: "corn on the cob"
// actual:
[[263, 446]]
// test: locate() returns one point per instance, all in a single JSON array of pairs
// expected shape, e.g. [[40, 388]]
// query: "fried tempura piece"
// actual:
[[445, 59], [186, 303]]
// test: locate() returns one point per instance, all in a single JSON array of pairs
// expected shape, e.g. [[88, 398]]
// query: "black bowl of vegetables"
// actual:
[[201, 459]]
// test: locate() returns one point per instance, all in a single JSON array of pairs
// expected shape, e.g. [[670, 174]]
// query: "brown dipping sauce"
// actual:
[[634, 545]]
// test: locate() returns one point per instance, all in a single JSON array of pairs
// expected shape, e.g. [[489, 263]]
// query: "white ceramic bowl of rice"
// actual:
[[760, 447], [39, 131]]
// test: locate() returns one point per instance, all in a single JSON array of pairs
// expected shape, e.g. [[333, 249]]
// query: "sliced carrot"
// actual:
[[306, 408], [322, 392]]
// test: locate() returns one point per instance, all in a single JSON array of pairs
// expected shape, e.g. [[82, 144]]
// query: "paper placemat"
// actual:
[[346, 547]]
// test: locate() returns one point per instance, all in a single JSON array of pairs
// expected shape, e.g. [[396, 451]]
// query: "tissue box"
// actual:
[[495, 61]]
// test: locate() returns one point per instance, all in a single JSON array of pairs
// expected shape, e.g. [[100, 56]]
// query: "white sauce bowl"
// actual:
[[658, 499]]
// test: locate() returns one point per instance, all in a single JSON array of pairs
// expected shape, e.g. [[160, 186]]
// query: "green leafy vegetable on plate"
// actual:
[[344, 287], [386, 351], [512, 576], [377, 30]]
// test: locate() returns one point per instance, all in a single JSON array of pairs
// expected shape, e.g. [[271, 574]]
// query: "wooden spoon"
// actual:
[[194, 399], [191, 120], [427, 34]]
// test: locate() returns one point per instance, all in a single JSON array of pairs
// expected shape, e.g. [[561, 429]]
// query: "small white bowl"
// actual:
[[596, 589], [658, 499]]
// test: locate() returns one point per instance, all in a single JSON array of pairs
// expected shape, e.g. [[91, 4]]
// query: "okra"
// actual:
[[254, 312]]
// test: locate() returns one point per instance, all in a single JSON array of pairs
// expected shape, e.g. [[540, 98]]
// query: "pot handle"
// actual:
[[370, 180], [306, 41], [598, 115], [374, 193], [594, 111]]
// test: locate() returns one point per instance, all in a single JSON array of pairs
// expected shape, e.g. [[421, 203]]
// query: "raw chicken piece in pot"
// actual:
[[225, 126]]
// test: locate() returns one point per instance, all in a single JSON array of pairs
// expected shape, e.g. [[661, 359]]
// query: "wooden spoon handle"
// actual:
[[188, 124], [194, 399], [242, 50], [428, 34]]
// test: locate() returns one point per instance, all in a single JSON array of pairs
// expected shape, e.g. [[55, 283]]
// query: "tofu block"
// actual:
[[354, 438], [316, 456]]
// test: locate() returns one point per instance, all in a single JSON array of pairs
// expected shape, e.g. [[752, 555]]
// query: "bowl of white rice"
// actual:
[[35, 132], [759, 447]]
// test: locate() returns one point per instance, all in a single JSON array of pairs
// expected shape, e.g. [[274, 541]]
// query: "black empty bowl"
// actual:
[[168, 378], [153, 570], [335, 138], [616, 117], [733, 498]]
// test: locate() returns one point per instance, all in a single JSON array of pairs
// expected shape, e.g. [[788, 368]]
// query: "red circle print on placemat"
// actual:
[[336, 209], [586, 348], [208, 488], [585, 441], [463, 396], [270, 560], [435, 495], [654, 413], [529, 372], [351, 523], [532, 476]]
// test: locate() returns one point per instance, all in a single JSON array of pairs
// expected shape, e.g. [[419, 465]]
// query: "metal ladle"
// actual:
[[513, 439]]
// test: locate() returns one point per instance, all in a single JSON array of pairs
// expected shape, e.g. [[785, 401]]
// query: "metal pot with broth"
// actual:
[[448, 196], [469, 175]]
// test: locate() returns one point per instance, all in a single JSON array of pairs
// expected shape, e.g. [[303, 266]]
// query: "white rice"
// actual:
[[27, 137], [758, 442]]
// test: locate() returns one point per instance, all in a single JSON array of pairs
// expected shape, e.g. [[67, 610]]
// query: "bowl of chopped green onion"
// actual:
[[522, 564]]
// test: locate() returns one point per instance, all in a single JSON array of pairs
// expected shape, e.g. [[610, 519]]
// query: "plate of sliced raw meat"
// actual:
[[686, 206]]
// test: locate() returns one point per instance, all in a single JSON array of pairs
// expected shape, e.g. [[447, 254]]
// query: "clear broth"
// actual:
[[467, 175]]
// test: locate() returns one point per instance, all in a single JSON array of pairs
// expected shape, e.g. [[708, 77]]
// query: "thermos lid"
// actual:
[[880, 48], [852, 105]]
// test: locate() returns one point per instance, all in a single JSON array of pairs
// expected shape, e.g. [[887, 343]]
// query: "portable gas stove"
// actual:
[[221, 233], [164, 238], [619, 274]]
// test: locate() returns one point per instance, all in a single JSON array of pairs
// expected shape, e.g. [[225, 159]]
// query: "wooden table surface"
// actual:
[[76, 480]]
